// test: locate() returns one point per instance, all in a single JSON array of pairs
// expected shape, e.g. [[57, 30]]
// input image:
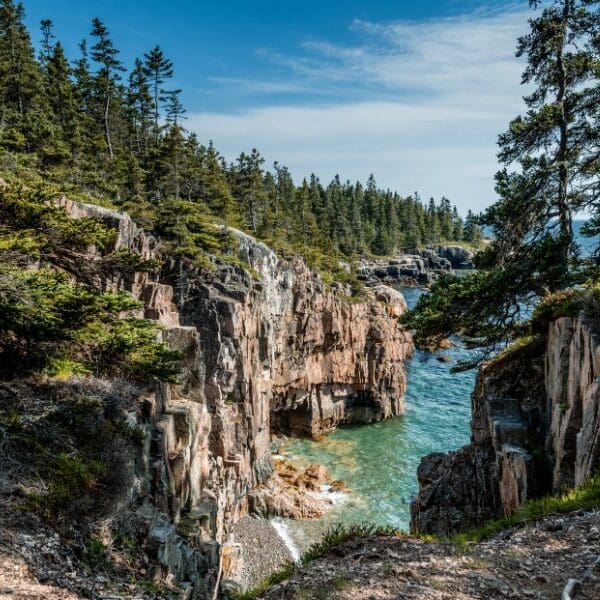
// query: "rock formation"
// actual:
[[270, 348], [422, 268], [535, 430], [458, 256]]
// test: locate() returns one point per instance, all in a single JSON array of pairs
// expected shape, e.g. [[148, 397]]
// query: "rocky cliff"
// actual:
[[267, 348], [535, 431]]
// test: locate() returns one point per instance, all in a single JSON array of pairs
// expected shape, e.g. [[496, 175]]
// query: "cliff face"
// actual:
[[271, 349], [535, 431]]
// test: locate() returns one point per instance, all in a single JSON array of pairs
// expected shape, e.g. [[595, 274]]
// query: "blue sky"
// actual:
[[414, 92]]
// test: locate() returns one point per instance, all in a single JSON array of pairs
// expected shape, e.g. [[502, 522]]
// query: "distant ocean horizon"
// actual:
[[587, 245]]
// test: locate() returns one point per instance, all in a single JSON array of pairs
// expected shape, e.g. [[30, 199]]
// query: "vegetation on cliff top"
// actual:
[[53, 318]]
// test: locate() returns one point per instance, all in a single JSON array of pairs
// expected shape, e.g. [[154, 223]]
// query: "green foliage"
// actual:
[[101, 137], [51, 231], [96, 555], [534, 252], [470, 306], [564, 303], [48, 322], [590, 308], [68, 454], [522, 350]]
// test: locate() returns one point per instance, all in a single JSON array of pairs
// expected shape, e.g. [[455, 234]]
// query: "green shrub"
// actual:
[[96, 555], [69, 446], [340, 533], [590, 311], [565, 303], [278, 576], [523, 349], [50, 324]]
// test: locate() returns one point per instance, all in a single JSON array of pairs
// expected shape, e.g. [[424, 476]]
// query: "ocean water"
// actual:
[[379, 462]]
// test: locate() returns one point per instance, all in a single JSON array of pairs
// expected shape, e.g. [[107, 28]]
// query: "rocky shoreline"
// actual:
[[535, 431], [421, 268]]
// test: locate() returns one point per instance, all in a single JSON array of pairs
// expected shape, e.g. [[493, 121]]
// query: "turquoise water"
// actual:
[[379, 462]]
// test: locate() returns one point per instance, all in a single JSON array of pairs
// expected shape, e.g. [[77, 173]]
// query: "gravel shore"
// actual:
[[263, 550]]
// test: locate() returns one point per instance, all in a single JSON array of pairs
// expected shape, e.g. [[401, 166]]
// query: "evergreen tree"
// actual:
[[553, 142], [21, 85], [46, 26], [107, 77], [63, 100], [555, 146], [249, 188], [140, 105], [159, 70]]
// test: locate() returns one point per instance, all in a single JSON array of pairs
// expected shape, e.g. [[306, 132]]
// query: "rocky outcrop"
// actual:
[[421, 268], [458, 256], [267, 348], [535, 431], [418, 269]]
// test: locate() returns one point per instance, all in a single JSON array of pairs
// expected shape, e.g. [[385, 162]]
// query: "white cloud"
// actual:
[[418, 104]]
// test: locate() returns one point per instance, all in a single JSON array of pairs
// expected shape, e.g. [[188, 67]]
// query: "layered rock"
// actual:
[[268, 348], [535, 430], [421, 268], [458, 256], [417, 269]]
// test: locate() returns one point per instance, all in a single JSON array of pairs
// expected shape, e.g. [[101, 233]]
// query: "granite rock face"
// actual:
[[535, 430], [458, 256], [267, 349]]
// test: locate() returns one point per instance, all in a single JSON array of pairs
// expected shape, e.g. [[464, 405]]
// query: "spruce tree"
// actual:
[[109, 74], [554, 141], [21, 85], [159, 70], [140, 105]]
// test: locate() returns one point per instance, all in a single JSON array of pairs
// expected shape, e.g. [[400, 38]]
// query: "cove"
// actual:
[[379, 462]]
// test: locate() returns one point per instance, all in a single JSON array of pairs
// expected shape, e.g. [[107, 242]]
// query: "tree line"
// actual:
[[119, 134]]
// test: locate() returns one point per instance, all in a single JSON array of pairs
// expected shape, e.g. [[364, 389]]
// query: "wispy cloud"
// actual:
[[418, 104]]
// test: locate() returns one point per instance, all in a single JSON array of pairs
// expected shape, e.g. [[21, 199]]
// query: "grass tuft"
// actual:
[[277, 577], [339, 534], [585, 497]]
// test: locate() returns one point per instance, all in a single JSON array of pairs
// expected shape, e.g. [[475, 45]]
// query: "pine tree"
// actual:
[[472, 231], [554, 141], [159, 70], [46, 26], [249, 187], [21, 85], [215, 190], [62, 99], [107, 77], [139, 101]]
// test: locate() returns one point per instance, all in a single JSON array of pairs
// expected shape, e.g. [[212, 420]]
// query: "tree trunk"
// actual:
[[106, 124], [565, 216]]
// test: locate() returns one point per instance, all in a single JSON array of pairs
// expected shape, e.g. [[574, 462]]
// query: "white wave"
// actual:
[[283, 532], [333, 498]]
